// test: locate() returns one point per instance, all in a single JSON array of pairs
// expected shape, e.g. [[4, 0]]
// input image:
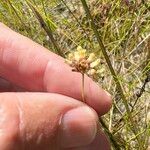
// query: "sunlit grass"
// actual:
[[124, 29]]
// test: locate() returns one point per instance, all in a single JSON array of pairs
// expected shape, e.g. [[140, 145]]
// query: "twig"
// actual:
[[112, 139], [142, 89]]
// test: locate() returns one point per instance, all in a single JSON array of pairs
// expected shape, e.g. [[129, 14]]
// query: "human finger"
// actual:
[[30, 121], [29, 65]]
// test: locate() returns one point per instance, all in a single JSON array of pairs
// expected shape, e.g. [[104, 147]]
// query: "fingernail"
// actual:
[[78, 127]]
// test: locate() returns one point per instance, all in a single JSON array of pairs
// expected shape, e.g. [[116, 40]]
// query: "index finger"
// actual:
[[29, 65]]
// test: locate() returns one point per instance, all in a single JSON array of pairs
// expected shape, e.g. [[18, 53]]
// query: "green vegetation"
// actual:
[[118, 31]]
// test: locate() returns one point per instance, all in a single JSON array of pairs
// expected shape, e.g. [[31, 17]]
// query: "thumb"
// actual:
[[30, 121]]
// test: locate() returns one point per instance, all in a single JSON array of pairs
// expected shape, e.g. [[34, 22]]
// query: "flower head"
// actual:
[[83, 62]]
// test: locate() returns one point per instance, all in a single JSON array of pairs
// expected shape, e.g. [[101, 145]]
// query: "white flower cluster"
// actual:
[[83, 62]]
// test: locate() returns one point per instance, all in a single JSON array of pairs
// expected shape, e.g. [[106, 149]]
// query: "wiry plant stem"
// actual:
[[47, 29], [118, 84], [105, 54], [82, 88], [15, 11], [112, 139]]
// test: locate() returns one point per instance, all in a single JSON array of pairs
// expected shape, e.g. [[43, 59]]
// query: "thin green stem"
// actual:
[[115, 77], [89, 16], [16, 13], [46, 28], [112, 139]]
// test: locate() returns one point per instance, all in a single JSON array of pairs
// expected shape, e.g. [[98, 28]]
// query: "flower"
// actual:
[[91, 72], [83, 62], [91, 57], [80, 53], [95, 63]]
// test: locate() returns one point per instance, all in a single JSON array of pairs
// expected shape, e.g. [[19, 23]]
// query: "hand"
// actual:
[[40, 100]]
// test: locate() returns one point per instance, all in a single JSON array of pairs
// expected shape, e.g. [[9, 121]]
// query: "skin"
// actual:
[[40, 100]]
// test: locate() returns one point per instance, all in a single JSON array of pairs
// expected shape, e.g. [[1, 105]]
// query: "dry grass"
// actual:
[[124, 29]]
